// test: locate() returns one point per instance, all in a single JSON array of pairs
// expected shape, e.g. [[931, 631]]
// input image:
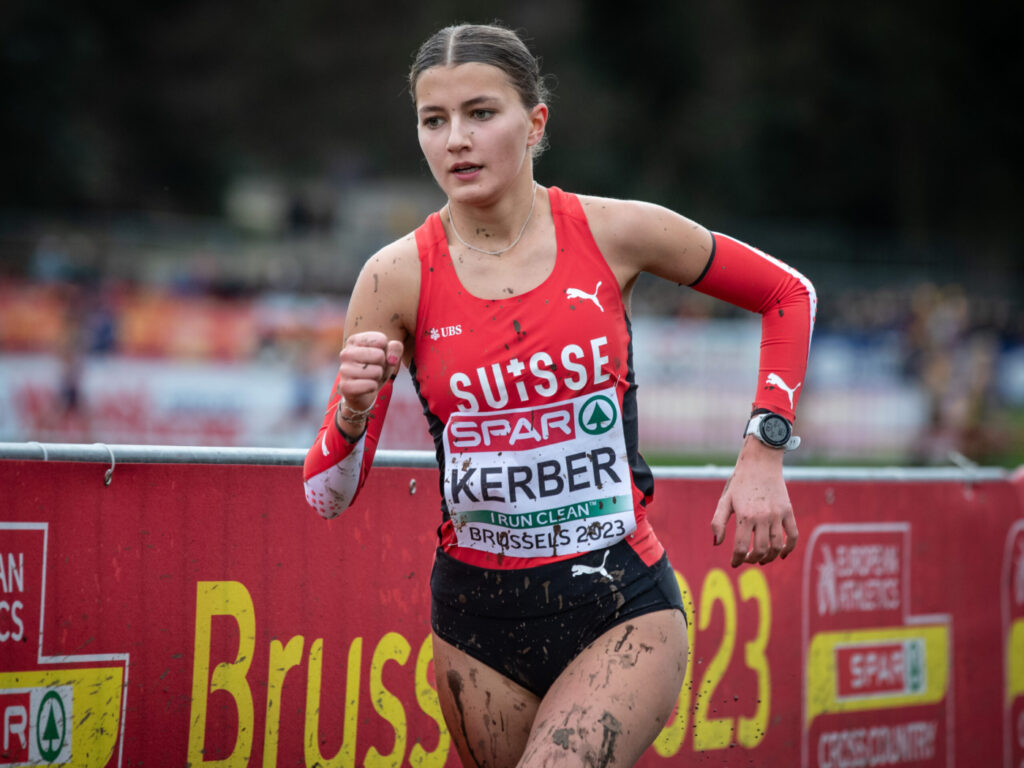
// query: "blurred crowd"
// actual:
[[953, 344], [963, 351]]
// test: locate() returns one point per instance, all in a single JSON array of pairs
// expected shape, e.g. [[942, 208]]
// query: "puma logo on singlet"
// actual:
[[774, 380], [580, 570], [576, 293]]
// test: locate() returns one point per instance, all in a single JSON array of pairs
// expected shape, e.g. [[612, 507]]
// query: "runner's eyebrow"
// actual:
[[474, 102]]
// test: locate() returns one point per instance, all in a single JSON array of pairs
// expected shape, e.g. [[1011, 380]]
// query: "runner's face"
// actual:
[[474, 130]]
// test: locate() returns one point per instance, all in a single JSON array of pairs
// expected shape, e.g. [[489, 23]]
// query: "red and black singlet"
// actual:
[[531, 402]]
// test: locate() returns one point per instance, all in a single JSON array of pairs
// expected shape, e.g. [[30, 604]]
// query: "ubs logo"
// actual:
[[445, 332]]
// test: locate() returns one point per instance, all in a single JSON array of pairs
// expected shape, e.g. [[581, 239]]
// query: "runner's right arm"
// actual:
[[337, 465], [378, 326]]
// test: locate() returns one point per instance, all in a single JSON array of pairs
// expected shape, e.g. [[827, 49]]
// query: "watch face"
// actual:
[[775, 429]]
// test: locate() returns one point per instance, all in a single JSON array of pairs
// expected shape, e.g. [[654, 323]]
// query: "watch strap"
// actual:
[[753, 429]]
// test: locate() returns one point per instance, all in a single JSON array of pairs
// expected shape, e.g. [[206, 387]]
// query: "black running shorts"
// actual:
[[530, 623]]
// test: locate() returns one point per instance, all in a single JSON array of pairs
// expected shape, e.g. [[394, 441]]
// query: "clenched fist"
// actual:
[[368, 360]]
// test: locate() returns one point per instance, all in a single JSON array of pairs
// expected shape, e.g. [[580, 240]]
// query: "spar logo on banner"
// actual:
[[54, 710], [876, 677], [1013, 634]]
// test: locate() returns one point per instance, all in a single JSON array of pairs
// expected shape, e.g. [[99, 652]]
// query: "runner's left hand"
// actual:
[[757, 495]]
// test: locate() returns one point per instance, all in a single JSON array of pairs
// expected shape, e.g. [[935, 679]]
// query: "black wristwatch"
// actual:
[[773, 430]]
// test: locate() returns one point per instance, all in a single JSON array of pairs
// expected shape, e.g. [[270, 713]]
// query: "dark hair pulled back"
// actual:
[[490, 44]]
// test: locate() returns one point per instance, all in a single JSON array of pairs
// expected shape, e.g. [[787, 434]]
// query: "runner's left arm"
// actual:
[[756, 493], [645, 237], [785, 299]]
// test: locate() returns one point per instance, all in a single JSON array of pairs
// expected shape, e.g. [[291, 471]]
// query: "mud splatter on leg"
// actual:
[[612, 728], [456, 687], [561, 737]]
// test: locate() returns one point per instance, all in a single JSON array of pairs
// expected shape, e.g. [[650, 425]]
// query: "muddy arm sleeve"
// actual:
[[787, 303], [336, 467]]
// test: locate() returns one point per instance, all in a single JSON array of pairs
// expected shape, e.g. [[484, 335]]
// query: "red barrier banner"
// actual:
[[1012, 596], [877, 679], [203, 615]]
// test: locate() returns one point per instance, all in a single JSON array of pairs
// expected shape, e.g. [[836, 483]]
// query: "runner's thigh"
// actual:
[[488, 715], [609, 704]]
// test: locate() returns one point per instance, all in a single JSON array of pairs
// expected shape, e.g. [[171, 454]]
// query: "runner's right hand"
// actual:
[[368, 360]]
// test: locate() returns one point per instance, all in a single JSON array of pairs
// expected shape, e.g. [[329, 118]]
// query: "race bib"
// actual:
[[540, 482]]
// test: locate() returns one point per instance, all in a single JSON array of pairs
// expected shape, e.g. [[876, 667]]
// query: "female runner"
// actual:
[[559, 632]]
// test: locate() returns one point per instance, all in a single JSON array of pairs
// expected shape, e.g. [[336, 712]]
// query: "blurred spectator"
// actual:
[[954, 360], [71, 411]]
